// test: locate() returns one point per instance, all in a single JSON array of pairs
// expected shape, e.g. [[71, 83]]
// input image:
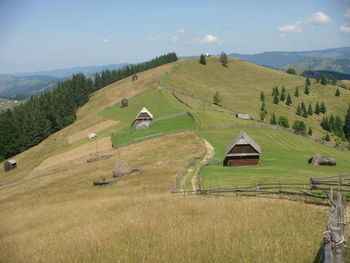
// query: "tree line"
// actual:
[[30, 123]]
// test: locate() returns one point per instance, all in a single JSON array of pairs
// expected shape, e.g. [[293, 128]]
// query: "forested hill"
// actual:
[[30, 123]]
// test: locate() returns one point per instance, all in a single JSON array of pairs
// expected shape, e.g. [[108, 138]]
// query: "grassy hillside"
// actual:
[[240, 85], [56, 215], [284, 159]]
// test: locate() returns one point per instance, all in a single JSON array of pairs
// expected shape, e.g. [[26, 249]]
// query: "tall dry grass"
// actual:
[[61, 217]]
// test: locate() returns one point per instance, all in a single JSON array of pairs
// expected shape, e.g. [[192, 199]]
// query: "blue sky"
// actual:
[[48, 34]]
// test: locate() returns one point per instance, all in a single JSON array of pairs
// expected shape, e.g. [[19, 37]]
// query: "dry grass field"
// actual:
[[66, 219], [59, 216]]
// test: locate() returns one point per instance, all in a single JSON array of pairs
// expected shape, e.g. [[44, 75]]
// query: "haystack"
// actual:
[[121, 168]]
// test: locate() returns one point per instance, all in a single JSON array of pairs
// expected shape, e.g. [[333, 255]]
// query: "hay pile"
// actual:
[[121, 168]]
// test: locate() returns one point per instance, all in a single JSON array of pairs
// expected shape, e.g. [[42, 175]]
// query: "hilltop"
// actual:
[[49, 199]]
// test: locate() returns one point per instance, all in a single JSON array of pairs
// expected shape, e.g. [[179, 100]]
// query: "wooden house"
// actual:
[[242, 151], [124, 103], [143, 116], [243, 116], [9, 165], [134, 77]]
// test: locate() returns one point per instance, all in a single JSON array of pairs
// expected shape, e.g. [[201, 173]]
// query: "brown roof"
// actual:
[[242, 139]]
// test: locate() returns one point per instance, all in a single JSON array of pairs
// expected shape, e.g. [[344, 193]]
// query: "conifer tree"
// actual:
[[337, 92], [273, 120], [306, 90], [289, 100], [323, 108], [299, 110], [296, 92], [325, 124], [310, 131], [283, 96], [223, 59], [327, 138], [303, 110], [262, 96], [307, 82], [346, 127], [338, 127], [317, 108], [202, 60], [262, 116], [275, 99], [309, 110], [263, 107]]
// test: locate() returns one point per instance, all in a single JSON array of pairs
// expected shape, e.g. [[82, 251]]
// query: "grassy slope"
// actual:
[[284, 159], [240, 85], [58, 216]]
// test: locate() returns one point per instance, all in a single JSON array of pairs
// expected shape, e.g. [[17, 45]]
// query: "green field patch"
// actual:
[[161, 127], [159, 102], [284, 159]]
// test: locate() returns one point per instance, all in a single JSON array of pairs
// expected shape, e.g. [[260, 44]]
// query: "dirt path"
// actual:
[[209, 155]]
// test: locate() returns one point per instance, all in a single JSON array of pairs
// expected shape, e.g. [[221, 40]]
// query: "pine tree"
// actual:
[[346, 127], [337, 92], [262, 96], [306, 90], [202, 60], [310, 131], [324, 80], [275, 99], [331, 122], [309, 110], [323, 108], [325, 124], [338, 127], [289, 100], [299, 110], [262, 116], [307, 82], [263, 107], [273, 120], [283, 96], [296, 92], [327, 138], [223, 59], [303, 110], [317, 108]]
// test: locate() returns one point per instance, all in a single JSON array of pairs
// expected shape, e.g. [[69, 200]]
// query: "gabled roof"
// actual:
[[144, 110], [241, 139], [12, 161], [243, 116]]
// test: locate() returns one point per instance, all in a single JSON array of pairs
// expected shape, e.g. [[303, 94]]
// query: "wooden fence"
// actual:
[[328, 183]]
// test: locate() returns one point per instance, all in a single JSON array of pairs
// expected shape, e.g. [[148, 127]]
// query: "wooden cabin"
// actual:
[[243, 116], [9, 165], [134, 77], [242, 151], [143, 116], [124, 103]]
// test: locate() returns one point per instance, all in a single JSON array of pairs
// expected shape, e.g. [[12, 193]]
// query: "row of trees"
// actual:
[[333, 124], [319, 108], [33, 121]]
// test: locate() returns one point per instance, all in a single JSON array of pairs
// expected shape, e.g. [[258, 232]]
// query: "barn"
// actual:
[[242, 151], [134, 77], [124, 103], [9, 165], [143, 116]]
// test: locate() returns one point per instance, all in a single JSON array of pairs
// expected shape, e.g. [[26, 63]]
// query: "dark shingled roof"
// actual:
[[241, 139]]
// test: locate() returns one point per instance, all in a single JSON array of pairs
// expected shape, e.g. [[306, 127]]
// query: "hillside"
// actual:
[[278, 59], [54, 214], [341, 65]]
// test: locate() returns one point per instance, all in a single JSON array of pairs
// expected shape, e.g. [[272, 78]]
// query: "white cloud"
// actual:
[[105, 40], [347, 13], [319, 18], [345, 28], [155, 38], [209, 39], [175, 39], [291, 28], [182, 31], [315, 19]]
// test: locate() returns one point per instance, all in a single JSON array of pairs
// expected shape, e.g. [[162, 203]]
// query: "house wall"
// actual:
[[9, 167], [241, 161]]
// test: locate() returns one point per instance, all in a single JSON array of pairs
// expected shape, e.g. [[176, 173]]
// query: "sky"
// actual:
[[49, 34]]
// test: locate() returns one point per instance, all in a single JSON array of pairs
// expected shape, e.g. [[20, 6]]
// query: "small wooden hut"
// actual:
[[243, 116], [124, 103], [242, 151], [134, 77], [143, 116], [9, 165]]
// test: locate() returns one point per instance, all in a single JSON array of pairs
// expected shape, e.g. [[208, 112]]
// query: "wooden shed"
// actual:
[[243, 116], [124, 103], [242, 151], [143, 116], [134, 77], [9, 165]]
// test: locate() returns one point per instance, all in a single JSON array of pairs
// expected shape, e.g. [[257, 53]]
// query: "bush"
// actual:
[[299, 127]]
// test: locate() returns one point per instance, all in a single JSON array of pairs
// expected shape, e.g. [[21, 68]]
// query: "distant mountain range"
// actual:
[[335, 59], [34, 83]]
